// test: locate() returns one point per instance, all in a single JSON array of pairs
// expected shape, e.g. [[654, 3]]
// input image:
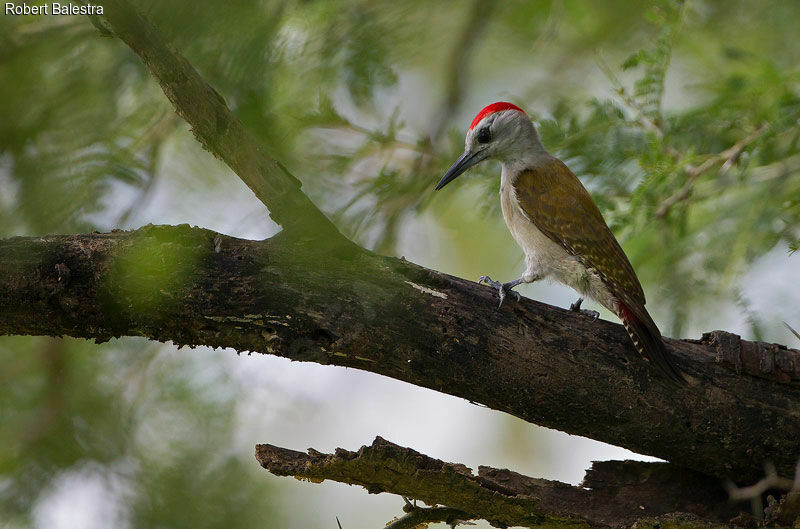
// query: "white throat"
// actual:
[[522, 160]]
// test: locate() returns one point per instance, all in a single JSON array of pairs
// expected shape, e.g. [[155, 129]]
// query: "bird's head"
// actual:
[[502, 131]]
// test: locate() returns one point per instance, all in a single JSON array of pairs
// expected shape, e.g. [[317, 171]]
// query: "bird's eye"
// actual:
[[484, 135]]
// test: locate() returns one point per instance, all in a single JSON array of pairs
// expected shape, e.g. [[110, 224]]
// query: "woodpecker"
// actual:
[[558, 226]]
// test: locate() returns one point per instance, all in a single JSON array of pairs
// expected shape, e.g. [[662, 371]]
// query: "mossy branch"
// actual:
[[327, 302], [619, 493]]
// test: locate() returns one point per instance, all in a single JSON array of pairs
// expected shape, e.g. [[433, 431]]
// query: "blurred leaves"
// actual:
[[654, 60], [150, 427]]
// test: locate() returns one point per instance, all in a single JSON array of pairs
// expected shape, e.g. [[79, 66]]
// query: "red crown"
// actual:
[[491, 109]]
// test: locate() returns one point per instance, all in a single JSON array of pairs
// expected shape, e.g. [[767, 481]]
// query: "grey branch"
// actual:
[[786, 511], [458, 63], [616, 493], [544, 364], [212, 122], [770, 481]]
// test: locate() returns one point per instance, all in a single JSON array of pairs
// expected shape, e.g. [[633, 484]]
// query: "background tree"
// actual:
[[687, 135]]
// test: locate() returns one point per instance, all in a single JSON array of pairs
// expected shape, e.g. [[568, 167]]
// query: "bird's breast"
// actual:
[[534, 243], [545, 257]]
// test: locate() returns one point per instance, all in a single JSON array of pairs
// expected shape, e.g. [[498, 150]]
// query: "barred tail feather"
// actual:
[[646, 337]]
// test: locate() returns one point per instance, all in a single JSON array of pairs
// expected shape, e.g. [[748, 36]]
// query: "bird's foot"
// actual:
[[503, 288], [576, 307]]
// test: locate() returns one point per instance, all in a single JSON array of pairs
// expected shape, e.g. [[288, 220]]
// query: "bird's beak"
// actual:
[[467, 160]]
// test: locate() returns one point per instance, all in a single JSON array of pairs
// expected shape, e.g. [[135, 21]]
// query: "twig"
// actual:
[[458, 61], [797, 476], [727, 157], [619, 89], [771, 480]]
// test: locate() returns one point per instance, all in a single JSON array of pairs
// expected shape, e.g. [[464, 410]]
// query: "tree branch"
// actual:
[[213, 124], [326, 302], [614, 493]]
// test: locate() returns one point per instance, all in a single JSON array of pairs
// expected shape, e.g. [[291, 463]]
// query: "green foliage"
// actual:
[[149, 426], [648, 90]]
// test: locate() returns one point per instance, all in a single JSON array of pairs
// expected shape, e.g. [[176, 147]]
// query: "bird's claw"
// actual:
[[503, 288], [488, 280], [576, 307]]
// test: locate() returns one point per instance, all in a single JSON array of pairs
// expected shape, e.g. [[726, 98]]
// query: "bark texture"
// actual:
[[332, 303], [613, 494]]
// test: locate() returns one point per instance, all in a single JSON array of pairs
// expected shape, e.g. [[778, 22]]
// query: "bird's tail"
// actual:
[[648, 341]]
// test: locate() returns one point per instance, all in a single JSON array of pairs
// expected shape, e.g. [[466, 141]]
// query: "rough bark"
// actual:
[[325, 302], [613, 494]]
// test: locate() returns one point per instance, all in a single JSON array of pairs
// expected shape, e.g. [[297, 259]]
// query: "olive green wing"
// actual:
[[557, 203], [554, 199]]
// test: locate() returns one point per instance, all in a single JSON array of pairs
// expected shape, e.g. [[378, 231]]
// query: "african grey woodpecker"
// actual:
[[558, 226]]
